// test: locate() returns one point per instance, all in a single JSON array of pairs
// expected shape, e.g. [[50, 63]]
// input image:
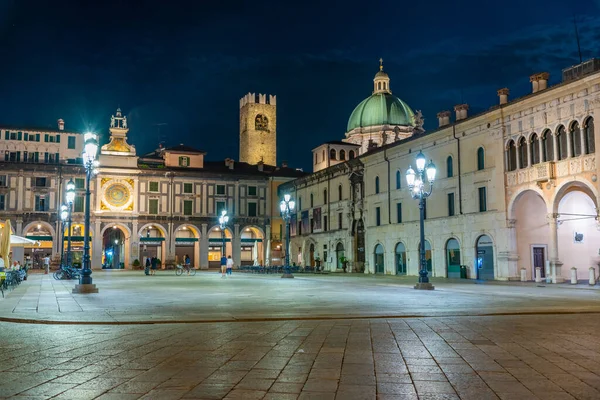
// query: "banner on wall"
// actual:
[[317, 218]]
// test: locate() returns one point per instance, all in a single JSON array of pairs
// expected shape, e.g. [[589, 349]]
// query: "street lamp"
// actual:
[[286, 207], [416, 185], [90, 150], [223, 220], [70, 197], [64, 216]]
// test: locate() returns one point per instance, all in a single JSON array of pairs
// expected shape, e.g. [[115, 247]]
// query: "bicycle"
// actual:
[[182, 268], [66, 272]]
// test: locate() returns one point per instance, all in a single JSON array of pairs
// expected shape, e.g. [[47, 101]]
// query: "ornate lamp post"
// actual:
[[64, 216], [223, 220], [90, 150], [70, 197], [416, 185], [286, 207]]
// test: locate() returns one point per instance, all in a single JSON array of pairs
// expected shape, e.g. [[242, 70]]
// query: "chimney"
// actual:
[[260, 165], [231, 163], [539, 81], [443, 118], [503, 94], [61, 124], [284, 164], [461, 111]]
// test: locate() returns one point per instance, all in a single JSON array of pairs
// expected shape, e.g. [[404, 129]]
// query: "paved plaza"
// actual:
[[313, 337], [130, 296]]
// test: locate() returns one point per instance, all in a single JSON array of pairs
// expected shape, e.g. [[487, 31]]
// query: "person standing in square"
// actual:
[[223, 266], [229, 265]]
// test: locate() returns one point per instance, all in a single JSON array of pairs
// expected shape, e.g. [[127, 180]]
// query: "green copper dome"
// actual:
[[381, 108]]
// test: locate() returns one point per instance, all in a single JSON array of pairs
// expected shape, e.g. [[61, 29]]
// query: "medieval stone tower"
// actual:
[[258, 129]]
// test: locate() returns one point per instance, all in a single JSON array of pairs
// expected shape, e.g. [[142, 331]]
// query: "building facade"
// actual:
[[516, 186], [163, 204]]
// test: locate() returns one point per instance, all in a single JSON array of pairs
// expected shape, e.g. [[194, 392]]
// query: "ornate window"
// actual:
[[588, 130], [561, 140], [535, 149], [351, 155], [332, 154], [547, 146], [511, 156], [261, 123], [342, 155], [523, 153]]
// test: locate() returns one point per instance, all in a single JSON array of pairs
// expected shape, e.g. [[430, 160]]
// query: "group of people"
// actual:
[[16, 265], [226, 266], [151, 266]]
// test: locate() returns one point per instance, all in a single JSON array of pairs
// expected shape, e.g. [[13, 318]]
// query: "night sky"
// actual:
[[179, 68]]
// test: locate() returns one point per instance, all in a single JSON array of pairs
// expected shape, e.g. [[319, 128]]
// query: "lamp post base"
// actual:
[[424, 286], [85, 288]]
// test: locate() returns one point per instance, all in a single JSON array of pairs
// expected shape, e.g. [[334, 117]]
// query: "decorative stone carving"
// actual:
[[511, 179], [575, 166], [589, 163], [562, 168]]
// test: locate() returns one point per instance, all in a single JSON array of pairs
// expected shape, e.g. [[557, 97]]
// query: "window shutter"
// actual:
[[56, 157], [37, 137], [46, 137], [57, 138], [20, 136], [6, 135]]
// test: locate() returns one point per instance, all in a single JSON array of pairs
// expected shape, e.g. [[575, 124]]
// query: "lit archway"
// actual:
[[484, 257], [401, 262], [115, 246], [43, 233], [379, 259], [216, 237], [187, 244], [452, 258], [339, 255], [153, 243], [77, 243], [252, 243]]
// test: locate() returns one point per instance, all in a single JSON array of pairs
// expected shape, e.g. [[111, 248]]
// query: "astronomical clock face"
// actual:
[[117, 194]]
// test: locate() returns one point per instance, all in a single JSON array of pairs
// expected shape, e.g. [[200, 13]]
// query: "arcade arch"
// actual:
[[152, 242], [115, 246], [187, 243], [252, 241], [216, 237]]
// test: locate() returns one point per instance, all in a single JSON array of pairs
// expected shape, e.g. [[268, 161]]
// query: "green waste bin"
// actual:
[[463, 272]]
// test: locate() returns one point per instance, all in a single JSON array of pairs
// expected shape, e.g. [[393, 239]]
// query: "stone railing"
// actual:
[[550, 170]]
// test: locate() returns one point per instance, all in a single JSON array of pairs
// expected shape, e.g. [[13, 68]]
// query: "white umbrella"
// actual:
[[268, 257], [20, 241], [255, 254]]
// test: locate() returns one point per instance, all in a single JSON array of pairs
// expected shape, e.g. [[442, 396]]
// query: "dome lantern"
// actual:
[[381, 82]]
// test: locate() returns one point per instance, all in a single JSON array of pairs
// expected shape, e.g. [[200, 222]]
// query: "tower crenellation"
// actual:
[[258, 129]]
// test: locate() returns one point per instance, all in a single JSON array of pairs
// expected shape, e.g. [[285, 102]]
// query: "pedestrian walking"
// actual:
[[223, 266], [47, 264], [148, 265], [188, 263], [154, 263], [229, 265]]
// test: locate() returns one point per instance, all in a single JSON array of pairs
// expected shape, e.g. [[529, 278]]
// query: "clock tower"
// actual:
[[258, 129]]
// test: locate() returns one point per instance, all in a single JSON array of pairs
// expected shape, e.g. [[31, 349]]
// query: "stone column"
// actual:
[[553, 246], [582, 148], [204, 247], [170, 245], [265, 240], [555, 147], [570, 150], [236, 245], [529, 160], [236, 199], [134, 242], [541, 145], [96, 244], [205, 203], [518, 154]]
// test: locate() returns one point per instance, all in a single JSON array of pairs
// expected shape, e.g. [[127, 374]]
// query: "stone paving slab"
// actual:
[[493, 357], [131, 297]]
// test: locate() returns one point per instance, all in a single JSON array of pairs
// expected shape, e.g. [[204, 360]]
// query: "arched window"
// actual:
[[449, 167], [588, 136], [261, 123], [325, 196], [376, 184], [332, 154], [384, 84], [480, 159], [575, 139], [316, 158], [523, 152], [547, 146], [351, 155], [511, 156], [342, 155], [561, 140], [340, 192], [311, 200], [535, 149], [378, 85], [398, 180]]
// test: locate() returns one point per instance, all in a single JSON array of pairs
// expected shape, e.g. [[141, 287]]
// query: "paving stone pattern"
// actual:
[[552, 357]]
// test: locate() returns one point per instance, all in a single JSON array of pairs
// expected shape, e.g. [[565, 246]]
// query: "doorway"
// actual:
[[400, 259], [485, 258], [379, 266], [538, 255], [453, 258]]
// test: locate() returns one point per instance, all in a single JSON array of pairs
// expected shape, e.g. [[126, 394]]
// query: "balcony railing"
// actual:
[[546, 171]]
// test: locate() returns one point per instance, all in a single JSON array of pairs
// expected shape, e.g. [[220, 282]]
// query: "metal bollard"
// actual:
[[592, 276], [523, 275], [538, 274], [573, 276]]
